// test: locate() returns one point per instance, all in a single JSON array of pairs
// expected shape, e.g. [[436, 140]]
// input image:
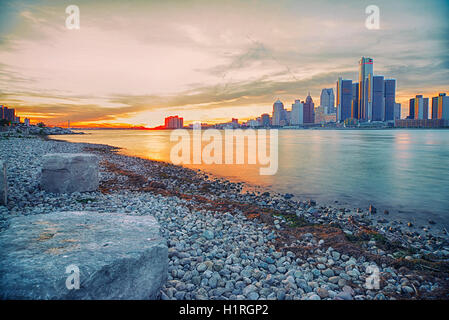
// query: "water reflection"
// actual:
[[404, 171]]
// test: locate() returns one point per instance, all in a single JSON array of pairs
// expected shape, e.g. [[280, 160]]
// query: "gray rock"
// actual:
[[118, 257], [208, 234], [248, 289], [201, 267], [3, 184], [407, 289], [69, 172], [328, 273]]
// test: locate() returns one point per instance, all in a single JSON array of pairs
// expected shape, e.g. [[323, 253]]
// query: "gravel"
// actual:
[[216, 254]]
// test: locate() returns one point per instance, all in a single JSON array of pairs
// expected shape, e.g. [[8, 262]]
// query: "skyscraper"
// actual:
[[278, 113], [397, 111], [425, 108], [378, 100], [309, 112], [355, 101], [440, 107], [344, 99], [297, 114], [365, 88], [327, 100], [265, 120], [434, 112], [419, 107], [7, 113], [390, 99], [174, 122], [411, 109]]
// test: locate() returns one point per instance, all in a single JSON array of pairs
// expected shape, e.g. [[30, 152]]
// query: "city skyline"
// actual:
[[133, 65]]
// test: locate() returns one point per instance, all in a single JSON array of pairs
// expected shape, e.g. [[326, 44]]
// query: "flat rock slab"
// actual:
[[118, 256], [69, 172]]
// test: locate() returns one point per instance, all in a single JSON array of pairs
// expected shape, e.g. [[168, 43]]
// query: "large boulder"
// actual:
[[118, 256], [69, 172], [3, 184]]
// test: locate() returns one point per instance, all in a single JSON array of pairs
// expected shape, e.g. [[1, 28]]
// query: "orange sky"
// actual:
[[134, 63]]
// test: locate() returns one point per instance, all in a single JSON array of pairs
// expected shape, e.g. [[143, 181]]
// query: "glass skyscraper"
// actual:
[[378, 101], [390, 97], [344, 99], [365, 89]]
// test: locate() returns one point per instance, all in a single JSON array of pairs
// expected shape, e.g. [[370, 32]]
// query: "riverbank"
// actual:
[[228, 244]]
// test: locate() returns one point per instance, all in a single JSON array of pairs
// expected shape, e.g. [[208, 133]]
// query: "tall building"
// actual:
[[327, 100], [278, 113], [355, 101], [397, 111], [344, 99], [419, 107], [390, 99], [378, 99], [425, 108], [265, 120], [411, 109], [440, 107], [174, 122], [365, 88], [297, 114], [8, 113], [309, 112], [434, 112]]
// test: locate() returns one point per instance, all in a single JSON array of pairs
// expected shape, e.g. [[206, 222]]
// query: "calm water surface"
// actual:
[[404, 171]]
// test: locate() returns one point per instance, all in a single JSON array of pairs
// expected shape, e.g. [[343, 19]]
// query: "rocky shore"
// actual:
[[24, 131], [226, 243]]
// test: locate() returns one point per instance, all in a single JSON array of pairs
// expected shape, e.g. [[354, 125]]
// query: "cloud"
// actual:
[[139, 61]]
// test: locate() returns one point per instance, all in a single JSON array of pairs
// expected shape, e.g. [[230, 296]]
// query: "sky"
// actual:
[[136, 62]]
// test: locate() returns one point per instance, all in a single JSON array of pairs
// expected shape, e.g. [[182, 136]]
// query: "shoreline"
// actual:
[[311, 241], [403, 214]]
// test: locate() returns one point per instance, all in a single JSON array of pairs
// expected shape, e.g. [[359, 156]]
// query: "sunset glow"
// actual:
[[134, 63]]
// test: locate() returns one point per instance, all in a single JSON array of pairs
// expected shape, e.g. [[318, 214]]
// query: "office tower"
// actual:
[[390, 99], [411, 109], [434, 114], [365, 88], [265, 120], [327, 100], [288, 116], [440, 107], [355, 101], [309, 112], [297, 117], [8, 114], [397, 111], [174, 122], [344, 99], [418, 107], [278, 113], [425, 108], [378, 101]]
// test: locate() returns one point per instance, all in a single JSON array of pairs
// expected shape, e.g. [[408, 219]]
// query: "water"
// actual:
[[403, 171]]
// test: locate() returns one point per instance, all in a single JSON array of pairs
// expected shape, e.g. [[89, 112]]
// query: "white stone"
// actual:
[[3, 184], [69, 172]]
